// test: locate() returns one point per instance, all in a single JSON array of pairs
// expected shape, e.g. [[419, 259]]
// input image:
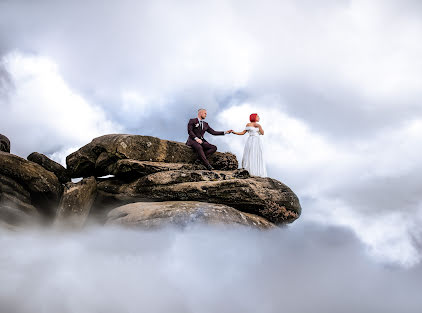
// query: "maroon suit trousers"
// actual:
[[204, 150]]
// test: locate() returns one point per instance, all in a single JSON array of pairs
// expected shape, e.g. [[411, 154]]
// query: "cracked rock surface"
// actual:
[[100, 156], [149, 215], [265, 197]]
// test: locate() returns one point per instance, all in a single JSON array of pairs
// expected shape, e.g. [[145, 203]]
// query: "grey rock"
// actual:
[[264, 197], [4, 144], [15, 204], [76, 203], [148, 215], [43, 186], [99, 157], [128, 168], [50, 165], [14, 216]]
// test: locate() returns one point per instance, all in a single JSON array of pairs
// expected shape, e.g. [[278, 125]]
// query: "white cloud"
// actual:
[[43, 112], [348, 183], [199, 269]]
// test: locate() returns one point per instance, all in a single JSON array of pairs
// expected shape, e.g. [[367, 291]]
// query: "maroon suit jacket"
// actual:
[[194, 130]]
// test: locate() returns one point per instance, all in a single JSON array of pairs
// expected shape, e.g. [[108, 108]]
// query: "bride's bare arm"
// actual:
[[261, 130], [240, 133]]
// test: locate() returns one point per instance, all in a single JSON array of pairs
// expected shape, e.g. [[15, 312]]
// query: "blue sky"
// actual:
[[337, 84]]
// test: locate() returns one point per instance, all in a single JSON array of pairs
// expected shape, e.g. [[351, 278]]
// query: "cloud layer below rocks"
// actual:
[[299, 269]]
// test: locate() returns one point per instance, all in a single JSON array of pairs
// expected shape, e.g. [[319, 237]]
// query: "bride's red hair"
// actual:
[[252, 117]]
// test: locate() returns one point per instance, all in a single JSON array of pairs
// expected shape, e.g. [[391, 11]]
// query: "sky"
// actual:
[[337, 85]]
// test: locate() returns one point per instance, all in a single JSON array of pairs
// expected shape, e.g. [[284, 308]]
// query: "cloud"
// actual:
[[42, 113], [346, 68], [298, 269], [359, 185]]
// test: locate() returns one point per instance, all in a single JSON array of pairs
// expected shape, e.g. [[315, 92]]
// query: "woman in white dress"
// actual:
[[253, 159]]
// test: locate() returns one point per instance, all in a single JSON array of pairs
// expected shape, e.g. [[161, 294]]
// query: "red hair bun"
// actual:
[[252, 117]]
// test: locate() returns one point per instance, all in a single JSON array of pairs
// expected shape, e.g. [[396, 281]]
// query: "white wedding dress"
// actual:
[[253, 159]]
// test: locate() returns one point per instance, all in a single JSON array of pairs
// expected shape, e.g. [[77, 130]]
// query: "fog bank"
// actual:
[[302, 268]]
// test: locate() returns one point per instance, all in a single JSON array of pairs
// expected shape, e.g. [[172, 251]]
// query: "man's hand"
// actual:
[[229, 131], [199, 141]]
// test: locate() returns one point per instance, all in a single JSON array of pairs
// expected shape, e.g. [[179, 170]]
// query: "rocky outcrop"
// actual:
[[265, 197], [145, 173], [31, 183], [50, 165], [100, 156], [149, 215], [4, 144], [76, 203]]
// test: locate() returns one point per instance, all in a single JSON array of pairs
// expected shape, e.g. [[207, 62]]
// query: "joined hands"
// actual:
[[226, 132]]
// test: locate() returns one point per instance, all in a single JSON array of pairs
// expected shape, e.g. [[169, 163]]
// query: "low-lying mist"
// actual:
[[302, 268]]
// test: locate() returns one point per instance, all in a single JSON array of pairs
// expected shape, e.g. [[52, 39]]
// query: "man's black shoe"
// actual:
[[209, 167]]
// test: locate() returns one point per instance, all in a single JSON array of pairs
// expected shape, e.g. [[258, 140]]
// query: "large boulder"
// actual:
[[50, 165], [14, 216], [100, 156], [43, 186], [264, 197], [15, 203], [149, 215], [4, 143], [128, 168], [76, 203], [13, 191]]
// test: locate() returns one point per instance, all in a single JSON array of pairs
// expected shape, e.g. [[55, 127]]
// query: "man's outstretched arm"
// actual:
[[217, 133]]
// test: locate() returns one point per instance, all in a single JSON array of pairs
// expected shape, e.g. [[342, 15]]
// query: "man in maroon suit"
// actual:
[[196, 130]]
